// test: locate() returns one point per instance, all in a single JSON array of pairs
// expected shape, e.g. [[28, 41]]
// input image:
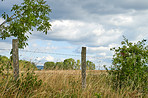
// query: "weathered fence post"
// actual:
[[83, 66], [15, 57]]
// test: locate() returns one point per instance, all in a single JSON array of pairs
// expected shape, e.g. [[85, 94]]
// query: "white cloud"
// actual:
[[102, 54], [49, 58], [5, 45], [34, 45], [98, 48], [102, 48], [1, 20], [50, 48], [5, 49], [102, 51], [66, 29], [39, 58], [81, 33], [68, 47], [45, 58], [121, 20]]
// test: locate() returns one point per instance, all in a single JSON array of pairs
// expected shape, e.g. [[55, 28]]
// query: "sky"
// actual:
[[96, 24]]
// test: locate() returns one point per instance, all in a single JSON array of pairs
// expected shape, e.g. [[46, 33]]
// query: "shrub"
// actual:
[[49, 65], [29, 82], [25, 86], [129, 66]]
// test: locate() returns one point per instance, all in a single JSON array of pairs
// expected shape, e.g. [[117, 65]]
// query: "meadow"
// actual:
[[65, 84]]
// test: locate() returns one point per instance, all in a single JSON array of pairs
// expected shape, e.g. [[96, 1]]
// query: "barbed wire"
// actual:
[[35, 54], [55, 53], [5, 49]]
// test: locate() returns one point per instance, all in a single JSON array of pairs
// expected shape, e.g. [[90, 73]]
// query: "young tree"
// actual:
[[77, 66], [59, 65], [69, 63], [130, 65], [26, 17], [49, 65], [90, 65], [25, 65]]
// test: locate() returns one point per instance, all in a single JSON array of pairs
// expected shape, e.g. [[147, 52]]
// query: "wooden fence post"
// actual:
[[15, 57], [83, 66]]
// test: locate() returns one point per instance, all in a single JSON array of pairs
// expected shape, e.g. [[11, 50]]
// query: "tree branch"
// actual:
[[10, 19], [7, 20]]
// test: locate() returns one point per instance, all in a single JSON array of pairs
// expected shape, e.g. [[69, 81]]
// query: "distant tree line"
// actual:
[[23, 64], [68, 64]]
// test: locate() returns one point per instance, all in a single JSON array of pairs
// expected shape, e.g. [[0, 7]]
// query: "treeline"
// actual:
[[23, 64], [68, 64]]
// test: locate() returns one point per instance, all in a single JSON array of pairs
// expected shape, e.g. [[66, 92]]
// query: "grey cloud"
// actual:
[[66, 9], [103, 12], [129, 4], [101, 8], [80, 9], [80, 33], [6, 5]]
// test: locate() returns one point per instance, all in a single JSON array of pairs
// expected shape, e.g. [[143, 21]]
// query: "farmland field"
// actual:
[[70, 72], [67, 84]]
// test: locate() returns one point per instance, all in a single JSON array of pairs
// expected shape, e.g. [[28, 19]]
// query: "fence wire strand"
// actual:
[[35, 54]]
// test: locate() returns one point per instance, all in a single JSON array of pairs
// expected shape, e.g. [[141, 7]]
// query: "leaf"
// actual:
[[27, 16], [128, 66]]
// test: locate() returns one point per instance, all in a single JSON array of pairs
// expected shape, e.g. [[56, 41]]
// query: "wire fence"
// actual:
[[57, 72], [40, 57]]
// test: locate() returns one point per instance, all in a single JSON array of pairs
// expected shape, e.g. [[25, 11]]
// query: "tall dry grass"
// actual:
[[67, 84]]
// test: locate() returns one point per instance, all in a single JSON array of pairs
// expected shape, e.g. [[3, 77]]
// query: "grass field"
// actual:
[[67, 84]]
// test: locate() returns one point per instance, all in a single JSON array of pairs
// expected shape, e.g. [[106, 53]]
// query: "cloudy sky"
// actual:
[[96, 24]]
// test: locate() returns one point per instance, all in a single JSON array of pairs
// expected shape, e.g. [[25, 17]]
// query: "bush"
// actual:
[[49, 65], [29, 82], [130, 66], [25, 86]]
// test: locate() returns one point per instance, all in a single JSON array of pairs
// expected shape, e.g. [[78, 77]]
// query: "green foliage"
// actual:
[[78, 65], [27, 16], [71, 64], [3, 59], [130, 66], [68, 64], [49, 65], [59, 65], [28, 82], [25, 86], [5, 64], [24, 65], [98, 95], [90, 65]]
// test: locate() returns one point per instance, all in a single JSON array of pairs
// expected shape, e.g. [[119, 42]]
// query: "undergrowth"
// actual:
[[63, 85]]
